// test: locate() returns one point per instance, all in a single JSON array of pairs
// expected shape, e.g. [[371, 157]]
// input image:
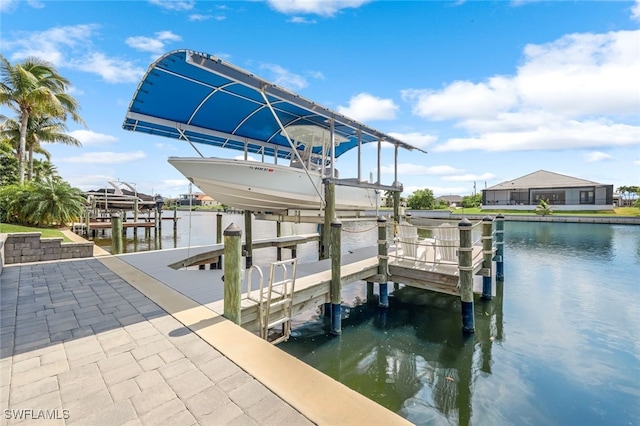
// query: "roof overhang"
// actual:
[[199, 98]]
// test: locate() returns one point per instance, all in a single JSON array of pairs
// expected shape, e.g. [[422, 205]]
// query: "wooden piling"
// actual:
[[487, 256], [219, 228], [383, 262], [248, 237], [396, 206], [88, 224], [232, 272], [465, 268], [499, 247], [329, 215], [175, 217], [370, 294], [156, 219], [335, 292], [279, 234], [116, 233]]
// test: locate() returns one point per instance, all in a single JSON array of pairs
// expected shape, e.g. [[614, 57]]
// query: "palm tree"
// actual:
[[44, 170], [54, 202], [40, 128], [34, 87]]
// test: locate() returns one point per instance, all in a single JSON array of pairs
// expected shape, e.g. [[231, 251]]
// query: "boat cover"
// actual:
[[200, 98]]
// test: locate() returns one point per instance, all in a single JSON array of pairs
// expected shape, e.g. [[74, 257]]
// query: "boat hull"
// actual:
[[256, 186]]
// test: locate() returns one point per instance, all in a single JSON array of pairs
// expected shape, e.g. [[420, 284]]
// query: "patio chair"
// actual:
[[407, 240], [446, 244]]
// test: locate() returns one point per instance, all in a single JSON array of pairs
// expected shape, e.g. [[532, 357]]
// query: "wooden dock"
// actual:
[[312, 289], [212, 256]]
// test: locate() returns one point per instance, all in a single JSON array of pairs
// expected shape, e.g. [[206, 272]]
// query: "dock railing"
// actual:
[[431, 247]]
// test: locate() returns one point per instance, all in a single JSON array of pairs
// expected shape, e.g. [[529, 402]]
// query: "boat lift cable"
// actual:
[[295, 151]]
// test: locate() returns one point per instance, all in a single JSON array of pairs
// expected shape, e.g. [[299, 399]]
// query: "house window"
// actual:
[[587, 197], [553, 196]]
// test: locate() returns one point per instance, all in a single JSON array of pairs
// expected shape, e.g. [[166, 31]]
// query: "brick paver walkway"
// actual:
[[79, 344]]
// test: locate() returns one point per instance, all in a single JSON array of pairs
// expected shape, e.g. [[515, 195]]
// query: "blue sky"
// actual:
[[493, 90]]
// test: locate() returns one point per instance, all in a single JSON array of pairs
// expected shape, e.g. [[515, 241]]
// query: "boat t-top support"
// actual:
[[293, 147]]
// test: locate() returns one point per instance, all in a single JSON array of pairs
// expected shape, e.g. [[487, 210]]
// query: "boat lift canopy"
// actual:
[[199, 98]]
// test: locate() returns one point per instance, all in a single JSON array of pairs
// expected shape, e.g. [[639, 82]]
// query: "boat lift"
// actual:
[[200, 98]]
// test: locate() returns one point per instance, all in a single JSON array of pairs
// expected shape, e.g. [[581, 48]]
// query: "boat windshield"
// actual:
[[308, 137]]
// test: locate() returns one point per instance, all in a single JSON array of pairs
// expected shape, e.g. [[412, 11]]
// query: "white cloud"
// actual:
[[107, 157], [91, 138], [71, 47], [365, 107], [302, 20], [438, 190], [110, 69], [197, 17], [555, 134], [636, 163], [469, 177], [53, 45], [463, 99], [316, 7], [416, 139], [9, 6], [90, 182], [635, 11], [178, 5], [596, 156], [419, 169], [579, 91], [285, 78], [155, 45]]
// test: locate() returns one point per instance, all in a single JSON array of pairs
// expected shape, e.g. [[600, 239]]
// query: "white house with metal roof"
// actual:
[[560, 191]]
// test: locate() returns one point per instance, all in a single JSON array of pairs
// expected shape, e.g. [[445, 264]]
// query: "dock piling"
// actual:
[[329, 214], [487, 253], [465, 268], [499, 247], [383, 262], [116, 233], [232, 274], [336, 286], [279, 234], [248, 238]]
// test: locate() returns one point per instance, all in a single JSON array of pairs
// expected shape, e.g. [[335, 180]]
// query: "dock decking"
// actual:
[[312, 282]]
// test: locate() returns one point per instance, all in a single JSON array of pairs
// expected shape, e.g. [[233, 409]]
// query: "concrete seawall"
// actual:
[[445, 214]]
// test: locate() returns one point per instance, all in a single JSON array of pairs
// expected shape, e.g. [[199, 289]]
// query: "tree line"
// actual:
[[31, 191]]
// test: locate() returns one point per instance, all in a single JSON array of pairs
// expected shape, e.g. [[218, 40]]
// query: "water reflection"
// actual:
[[566, 239], [412, 358]]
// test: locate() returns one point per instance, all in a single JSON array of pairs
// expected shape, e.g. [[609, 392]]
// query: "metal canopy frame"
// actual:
[[199, 98]]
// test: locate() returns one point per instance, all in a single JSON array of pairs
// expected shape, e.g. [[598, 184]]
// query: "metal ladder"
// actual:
[[274, 307]]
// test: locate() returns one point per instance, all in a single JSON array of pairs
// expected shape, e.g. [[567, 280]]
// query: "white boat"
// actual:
[[201, 99], [256, 186]]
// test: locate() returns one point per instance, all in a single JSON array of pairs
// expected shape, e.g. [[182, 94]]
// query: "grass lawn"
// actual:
[[46, 232]]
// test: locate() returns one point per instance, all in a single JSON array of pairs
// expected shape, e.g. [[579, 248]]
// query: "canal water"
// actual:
[[558, 345]]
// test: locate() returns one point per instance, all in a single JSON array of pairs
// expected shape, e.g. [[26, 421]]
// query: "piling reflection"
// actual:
[[412, 357]]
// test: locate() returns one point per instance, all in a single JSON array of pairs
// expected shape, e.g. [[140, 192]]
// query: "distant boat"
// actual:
[[119, 198], [199, 98]]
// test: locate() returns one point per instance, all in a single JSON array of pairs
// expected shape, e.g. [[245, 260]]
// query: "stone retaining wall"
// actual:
[[23, 247]]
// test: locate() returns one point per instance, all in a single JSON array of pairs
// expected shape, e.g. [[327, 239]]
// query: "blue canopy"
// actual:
[[199, 98]]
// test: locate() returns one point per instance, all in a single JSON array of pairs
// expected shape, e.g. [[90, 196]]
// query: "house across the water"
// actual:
[[197, 199], [560, 191], [451, 200]]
